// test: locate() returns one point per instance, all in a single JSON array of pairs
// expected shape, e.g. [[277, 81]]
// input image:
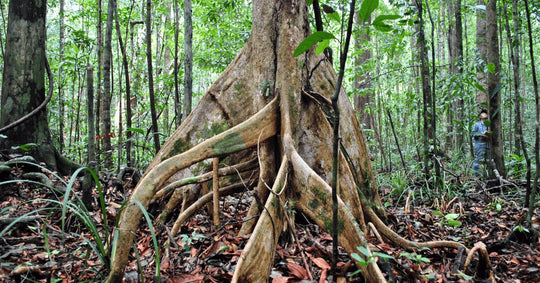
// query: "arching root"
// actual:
[[244, 135], [483, 269]]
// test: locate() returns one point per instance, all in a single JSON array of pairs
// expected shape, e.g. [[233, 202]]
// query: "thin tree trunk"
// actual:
[[494, 87], [481, 46], [99, 95], [426, 89], [129, 133], [532, 195], [107, 94], [363, 99], [188, 59], [155, 131], [60, 80], [177, 105]]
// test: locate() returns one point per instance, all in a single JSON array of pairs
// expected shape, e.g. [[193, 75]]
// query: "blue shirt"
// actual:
[[478, 129]]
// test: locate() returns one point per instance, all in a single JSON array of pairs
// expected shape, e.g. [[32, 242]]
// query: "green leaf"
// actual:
[[136, 130], [380, 24], [381, 255], [25, 147], [368, 6], [334, 17], [454, 223], [451, 216], [322, 46], [491, 68], [311, 40]]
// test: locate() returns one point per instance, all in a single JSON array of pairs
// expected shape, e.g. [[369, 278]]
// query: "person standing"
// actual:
[[480, 134]]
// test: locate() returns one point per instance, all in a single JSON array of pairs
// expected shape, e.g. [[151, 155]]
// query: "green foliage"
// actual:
[[448, 219], [419, 259], [366, 257], [311, 40]]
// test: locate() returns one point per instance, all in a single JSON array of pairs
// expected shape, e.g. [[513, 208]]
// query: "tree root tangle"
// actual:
[[294, 135]]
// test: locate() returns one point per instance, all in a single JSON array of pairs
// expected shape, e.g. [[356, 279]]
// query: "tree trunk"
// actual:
[[23, 115], [188, 60], [455, 47], [494, 86], [60, 80], [287, 128], [427, 115], [155, 131], [481, 46], [107, 94], [125, 64], [177, 105], [363, 99]]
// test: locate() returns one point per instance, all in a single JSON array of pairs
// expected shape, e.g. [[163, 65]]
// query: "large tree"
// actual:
[[24, 115], [273, 107]]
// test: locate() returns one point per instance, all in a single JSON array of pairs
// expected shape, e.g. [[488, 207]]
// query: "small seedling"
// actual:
[[369, 257]]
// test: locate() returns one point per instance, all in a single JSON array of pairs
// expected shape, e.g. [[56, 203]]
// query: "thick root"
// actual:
[[484, 270], [258, 128], [257, 257], [314, 201]]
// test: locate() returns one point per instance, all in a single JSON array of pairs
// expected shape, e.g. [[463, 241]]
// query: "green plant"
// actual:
[[419, 259], [368, 257], [448, 219], [188, 240]]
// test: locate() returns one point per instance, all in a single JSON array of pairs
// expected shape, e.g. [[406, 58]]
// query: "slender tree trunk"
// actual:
[[455, 48], [363, 99], [177, 105], [188, 59], [494, 87], [481, 46], [129, 133], [427, 115], [99, 93], [155, 131], [532, 194], [60, 80], [107, 94], [90, 147]]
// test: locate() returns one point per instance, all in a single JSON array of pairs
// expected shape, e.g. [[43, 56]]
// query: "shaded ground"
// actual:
[[36, 250]]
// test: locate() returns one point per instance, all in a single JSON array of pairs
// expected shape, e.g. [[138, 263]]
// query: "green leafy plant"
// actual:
[[419, 259], [188, 240], [448, 219], [368, 257]]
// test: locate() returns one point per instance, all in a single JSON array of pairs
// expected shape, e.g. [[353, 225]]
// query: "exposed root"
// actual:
[[226, 171], [375, 232], [255, 262], [402, 242], [201, 202], [314, 202], [242, 136], [483, 269]]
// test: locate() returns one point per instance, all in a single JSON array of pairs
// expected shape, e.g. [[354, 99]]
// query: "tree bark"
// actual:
[[188, 59], [493, 88], [107, 94], [155, 132], [235, 117], [481, 46]]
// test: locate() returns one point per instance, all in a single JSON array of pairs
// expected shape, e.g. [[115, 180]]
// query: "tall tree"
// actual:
[[177, 104], [494, 87], [294, 117], [188, 59], [427, 109], [60, 77], [363, 99], [129, 134], [455, 47], [107, 93], [481, 47], [23, 117], [155, 131]]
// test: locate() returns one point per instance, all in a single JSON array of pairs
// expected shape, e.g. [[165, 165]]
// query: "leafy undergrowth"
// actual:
[[36, 249]]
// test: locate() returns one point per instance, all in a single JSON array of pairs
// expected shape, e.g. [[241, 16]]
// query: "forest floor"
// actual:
[[36, 250]]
